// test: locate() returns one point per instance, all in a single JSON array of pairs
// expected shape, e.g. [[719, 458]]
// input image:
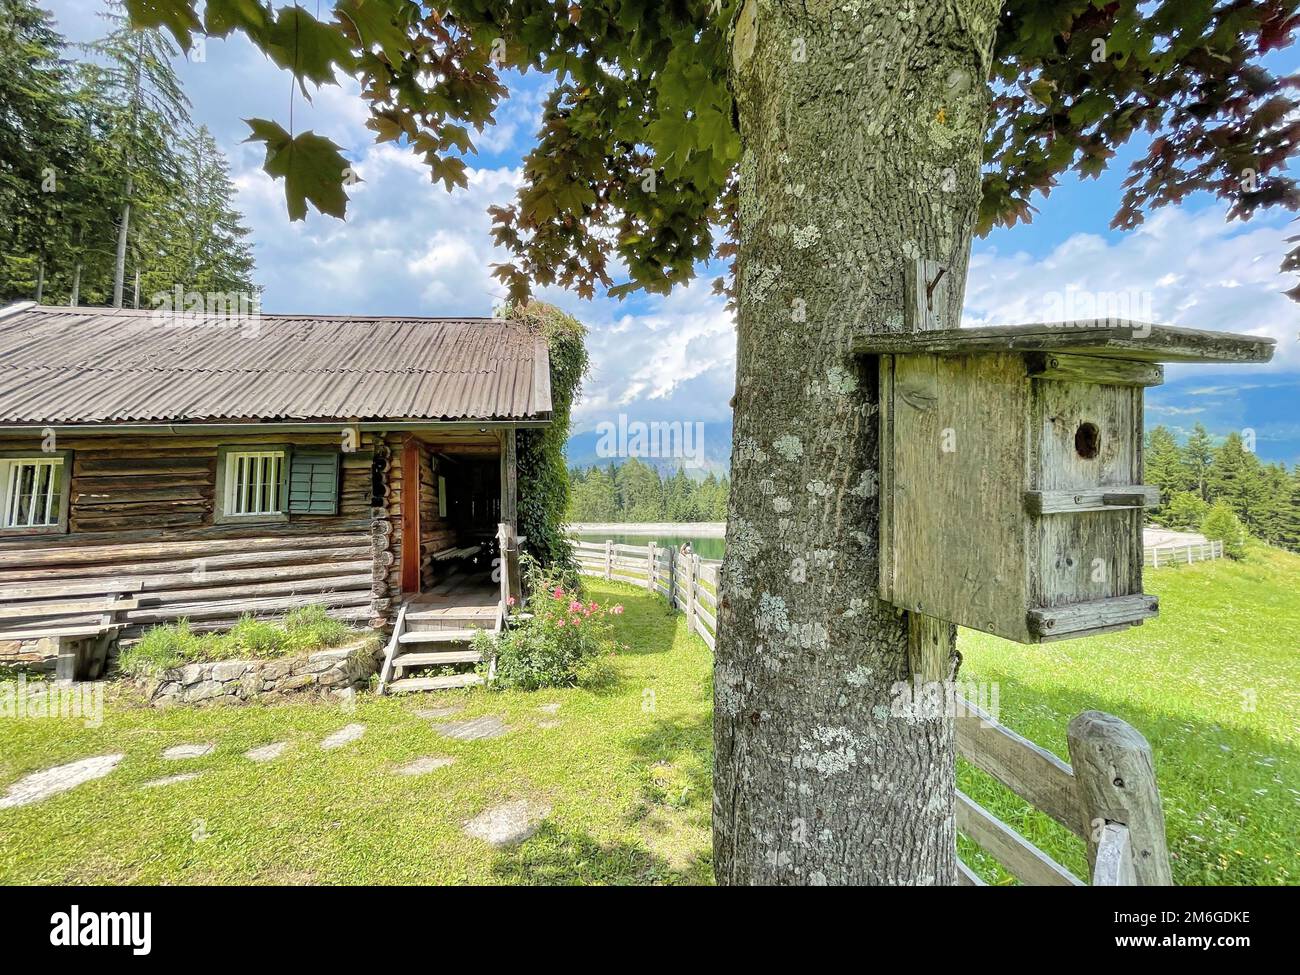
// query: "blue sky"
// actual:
[[409, 247]]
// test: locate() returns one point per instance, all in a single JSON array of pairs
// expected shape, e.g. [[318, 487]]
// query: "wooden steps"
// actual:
[[437, 636], [433, 631], [408, 685], [430, 658]]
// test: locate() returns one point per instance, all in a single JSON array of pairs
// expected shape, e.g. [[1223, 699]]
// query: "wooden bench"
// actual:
[[82, 616], [454, 552]]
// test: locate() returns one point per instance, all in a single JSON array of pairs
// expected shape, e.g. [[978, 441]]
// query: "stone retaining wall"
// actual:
[[33, 655], [235, 681]]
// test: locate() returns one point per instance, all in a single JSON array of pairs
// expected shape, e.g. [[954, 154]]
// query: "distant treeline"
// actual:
[[1222, 489], [634, 491], [1203, 483]]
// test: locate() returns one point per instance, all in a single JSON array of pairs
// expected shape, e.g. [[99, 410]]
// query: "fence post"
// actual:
[[1189, 553], [650, 566], [609, 558], [672, 576], [1155, 557], [692, 567], [1117, 784]]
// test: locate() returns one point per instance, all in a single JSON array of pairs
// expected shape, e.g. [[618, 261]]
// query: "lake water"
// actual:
[[705, 548]]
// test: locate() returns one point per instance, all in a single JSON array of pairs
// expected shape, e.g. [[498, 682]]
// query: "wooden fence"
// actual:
[[1108, 797], [1158, 555], [688, 582]]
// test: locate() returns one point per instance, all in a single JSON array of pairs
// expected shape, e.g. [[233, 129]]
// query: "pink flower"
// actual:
[[575, 607], [558, 593], [576, 620], [510, 600], [560, 621], [617, 610]]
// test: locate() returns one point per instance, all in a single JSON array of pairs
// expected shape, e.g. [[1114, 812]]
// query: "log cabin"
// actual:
[[157, 467]]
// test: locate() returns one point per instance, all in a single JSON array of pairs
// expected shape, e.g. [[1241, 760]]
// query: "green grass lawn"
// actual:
[[1214, 684], [626, 774]]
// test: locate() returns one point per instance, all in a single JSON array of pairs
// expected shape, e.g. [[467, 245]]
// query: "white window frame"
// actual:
[[50, 481], [253, 484]]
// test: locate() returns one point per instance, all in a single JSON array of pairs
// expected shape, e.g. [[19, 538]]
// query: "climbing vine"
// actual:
[[543, 474]]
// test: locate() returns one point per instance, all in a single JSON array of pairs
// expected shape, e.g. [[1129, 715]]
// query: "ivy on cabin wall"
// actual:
[[543, 472]]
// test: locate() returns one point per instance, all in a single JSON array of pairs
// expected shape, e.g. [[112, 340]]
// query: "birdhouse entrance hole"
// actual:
[[1087, 440]]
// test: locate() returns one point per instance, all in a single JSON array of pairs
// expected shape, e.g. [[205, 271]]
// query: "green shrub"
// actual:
[[1223, 525], [173, 645], [560, 646], [1186, 510]]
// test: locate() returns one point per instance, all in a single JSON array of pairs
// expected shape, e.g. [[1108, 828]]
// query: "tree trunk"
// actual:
[[862, 134], [40, 279], [119, 262], [76, 286]]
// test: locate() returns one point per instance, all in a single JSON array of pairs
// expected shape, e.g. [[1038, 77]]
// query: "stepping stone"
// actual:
[[170, 780], [421, 766], [267, 753], [61, 778], [509, 823], [346, 734], [548, 725], [439, 712], [475, 729], [553, 708], [177, 752]]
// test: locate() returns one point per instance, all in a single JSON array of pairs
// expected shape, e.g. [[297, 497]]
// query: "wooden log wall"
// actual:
[[141, 507]]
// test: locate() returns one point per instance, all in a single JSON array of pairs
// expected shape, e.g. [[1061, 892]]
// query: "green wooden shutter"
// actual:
[[314, 482]]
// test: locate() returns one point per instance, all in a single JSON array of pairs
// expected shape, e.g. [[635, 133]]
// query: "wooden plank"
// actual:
[[1108, 338], [959, 447], [1117, 784], [52, 632], [929, 647], [1028, 770], [72, 587], [1064, 367], [966, 877], [1108, 498], [69, 607], [411, 555], [1114, 862], [1063, 622], [509, 479], [1022, 859]]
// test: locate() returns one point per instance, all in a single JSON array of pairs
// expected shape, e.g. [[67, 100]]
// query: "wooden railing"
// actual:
[[1108, 798], [1158, 555], [687, 581]]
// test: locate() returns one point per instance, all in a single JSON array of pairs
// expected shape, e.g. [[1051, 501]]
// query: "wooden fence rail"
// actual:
[[688, 582], [1108, 797], [1158, 555]]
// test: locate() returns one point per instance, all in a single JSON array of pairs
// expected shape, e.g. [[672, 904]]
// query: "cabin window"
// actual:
[[253, 483], [34, 494]]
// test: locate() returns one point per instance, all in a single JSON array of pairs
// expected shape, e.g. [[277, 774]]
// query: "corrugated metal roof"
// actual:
[[62, 365]]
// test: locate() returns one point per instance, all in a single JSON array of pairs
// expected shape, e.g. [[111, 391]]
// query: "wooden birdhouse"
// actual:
[[1011, 493]]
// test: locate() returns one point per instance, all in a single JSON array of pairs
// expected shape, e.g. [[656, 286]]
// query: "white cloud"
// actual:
[[1184, 268]]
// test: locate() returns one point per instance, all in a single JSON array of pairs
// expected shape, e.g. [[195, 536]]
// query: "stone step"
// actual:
[[437, 636], [411, 684], [433, 658]]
